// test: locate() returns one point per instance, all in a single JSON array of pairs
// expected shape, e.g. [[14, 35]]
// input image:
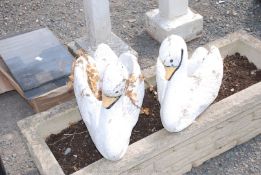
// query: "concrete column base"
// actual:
[[189, 26], [116, 44]]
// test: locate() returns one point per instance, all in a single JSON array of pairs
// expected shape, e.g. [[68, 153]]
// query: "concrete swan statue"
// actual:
[[109, 92], [186, 87]]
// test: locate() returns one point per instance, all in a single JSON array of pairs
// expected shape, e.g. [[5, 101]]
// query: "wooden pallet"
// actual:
[[36, 65]]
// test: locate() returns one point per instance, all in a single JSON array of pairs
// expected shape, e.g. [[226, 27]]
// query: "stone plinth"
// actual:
[[173, 17]]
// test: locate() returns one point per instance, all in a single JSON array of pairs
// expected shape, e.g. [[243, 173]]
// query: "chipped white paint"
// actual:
[[186, 87], [109, 121], [173, 17]]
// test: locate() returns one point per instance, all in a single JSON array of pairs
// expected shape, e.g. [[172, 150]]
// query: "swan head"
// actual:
[[114, 83], [171, 54]]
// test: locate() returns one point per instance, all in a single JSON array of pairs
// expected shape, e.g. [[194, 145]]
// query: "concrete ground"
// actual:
[[66, 19], [13, 151]]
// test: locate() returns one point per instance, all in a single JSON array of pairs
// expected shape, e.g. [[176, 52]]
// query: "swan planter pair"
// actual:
[[110, 91]]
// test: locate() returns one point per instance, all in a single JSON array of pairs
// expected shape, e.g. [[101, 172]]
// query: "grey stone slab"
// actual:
[[35, 58], [35, 92]]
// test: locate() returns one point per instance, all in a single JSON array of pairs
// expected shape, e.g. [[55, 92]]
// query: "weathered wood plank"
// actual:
[[201, 145], [224, 148], [218, 151], [210, 153], [52, 98]]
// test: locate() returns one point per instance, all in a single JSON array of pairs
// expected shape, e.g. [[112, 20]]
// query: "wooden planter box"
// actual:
[[224, 125]]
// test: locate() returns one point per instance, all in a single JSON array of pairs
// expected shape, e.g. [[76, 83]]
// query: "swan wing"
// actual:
[[137, 83], [197, 59], [160, 79], [88, 104], [207, 79]]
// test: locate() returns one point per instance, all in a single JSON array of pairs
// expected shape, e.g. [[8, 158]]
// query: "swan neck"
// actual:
[[184, 64]]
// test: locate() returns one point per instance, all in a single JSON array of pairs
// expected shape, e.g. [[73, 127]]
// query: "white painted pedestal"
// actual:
[[97, 15], [173, 17]]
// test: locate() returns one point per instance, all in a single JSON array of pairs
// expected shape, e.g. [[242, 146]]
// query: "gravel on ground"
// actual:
[[66, 19]]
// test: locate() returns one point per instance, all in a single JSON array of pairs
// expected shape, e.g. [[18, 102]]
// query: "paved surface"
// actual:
[[66, 19], [12, 149]]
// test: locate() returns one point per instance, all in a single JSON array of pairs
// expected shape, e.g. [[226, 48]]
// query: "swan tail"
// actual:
[[103, 56], [208, 78], [135, 88], [197, 59]]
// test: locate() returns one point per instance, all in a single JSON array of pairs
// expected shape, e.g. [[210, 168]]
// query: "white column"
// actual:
[[171, 9], [97, 14], [173, 17], [98, 23]]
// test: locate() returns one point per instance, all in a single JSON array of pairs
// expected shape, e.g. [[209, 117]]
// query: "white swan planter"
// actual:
[[109, 92], [186, 87]]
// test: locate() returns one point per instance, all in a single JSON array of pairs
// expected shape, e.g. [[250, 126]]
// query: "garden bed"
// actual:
[[239, 74], [225, 124]]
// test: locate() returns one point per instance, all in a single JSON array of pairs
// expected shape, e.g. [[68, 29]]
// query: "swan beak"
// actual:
[[169, 72], [108, 102]]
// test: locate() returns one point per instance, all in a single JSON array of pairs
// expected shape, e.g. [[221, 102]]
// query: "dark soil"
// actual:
[[238, 75], [83, 151]]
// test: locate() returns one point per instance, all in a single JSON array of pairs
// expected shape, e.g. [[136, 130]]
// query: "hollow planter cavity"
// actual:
[[230, 122]]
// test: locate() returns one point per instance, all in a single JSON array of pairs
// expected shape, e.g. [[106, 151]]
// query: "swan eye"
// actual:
[[171, 60], [117, 92]]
